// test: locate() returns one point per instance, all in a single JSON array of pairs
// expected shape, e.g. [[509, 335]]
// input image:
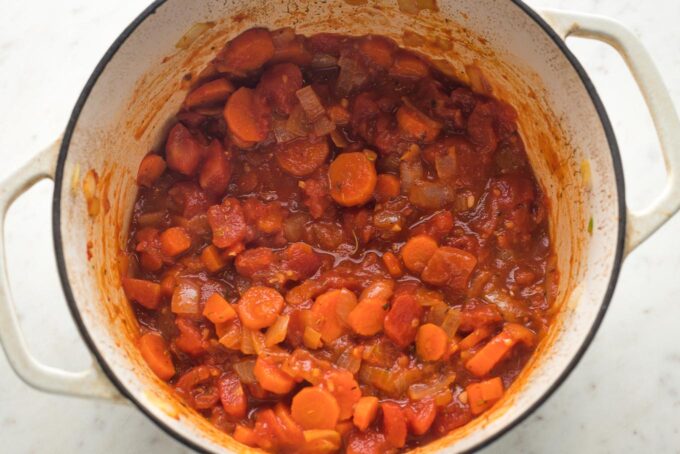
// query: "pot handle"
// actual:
[[88, 383], [643, 223]]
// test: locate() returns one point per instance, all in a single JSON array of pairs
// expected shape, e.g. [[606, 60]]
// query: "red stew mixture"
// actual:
[[338, 248]]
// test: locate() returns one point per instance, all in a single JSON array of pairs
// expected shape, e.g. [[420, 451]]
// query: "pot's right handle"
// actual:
[[643, 223], [91, 382]]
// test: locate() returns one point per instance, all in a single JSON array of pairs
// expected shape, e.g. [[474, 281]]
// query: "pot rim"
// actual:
[[68, 292]]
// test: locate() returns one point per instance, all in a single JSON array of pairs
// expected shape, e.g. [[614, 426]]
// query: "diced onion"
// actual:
[[277, 332], [430, 194], [349, 360], [297, 122], [281, 131], [246, 371], [186, 298], [321, 61], [247, 347], [258, 341], [351, 76], [512, 309], [339, 139], [451, 322], [310, 103], [323, 126], [420, 391], [381, 288], [478, 82], [446, 164], [231, 336]]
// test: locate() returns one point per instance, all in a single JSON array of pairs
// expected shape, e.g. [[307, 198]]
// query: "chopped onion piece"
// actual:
[[323, 126], [446, 164], [258, 341], [321, 61], [339, 139], [512, 309], [245, 371], [310, 103], [277, 332], [352, 75], [349, 360], [451, 322], [478, 82], [297, 122], [281, 131], [420, 391], [247, 347], [431, 195], [437, 313], [231, 336], [186, 298]]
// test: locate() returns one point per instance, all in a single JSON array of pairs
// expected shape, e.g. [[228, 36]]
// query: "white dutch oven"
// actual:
[[123, 112]]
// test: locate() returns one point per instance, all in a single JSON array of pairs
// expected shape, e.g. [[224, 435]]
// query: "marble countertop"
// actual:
[[624, 396]]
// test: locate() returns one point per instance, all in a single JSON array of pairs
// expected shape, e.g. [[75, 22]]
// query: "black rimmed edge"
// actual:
[[68, 292]]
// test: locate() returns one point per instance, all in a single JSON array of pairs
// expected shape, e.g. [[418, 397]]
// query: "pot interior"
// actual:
[[126, 108]]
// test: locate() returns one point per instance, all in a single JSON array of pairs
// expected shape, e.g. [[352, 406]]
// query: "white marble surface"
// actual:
[[623, 397]]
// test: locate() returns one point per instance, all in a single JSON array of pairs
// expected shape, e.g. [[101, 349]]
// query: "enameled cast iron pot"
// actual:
[[124, 110]]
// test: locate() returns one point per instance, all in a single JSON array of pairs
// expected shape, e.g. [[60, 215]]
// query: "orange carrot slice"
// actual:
[[352, 179], [155, 352]]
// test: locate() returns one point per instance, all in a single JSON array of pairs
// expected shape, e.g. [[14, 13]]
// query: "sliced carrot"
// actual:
[[315, 408], [155, 352], [216, 171], [218, 310], [402, 320], [378, 50], [491, 354], [345, 389], [247, 52], [287, 431], [474, 337], [303, 156], [332, 308], [183, 153], [245, 435], [387, 186], [394, 423], [417, 252], [212, 259], [392, 264], [417, 125], [368, 317], [352, 179], [271, 378], [409, 66], [150, 170], [482, 395], [214, 92], [431, 342], [259, 307], [232, 396], [174, 241], [241, 115], [146, 293], [365, 412]]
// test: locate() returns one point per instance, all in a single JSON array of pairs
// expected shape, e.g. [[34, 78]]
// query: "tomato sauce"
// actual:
[[338, 248]]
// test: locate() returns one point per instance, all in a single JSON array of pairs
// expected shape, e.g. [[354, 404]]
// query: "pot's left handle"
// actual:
[[88, 383], [664, 116]]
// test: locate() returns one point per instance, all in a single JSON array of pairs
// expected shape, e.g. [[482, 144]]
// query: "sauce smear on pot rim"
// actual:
[[338, 248]]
